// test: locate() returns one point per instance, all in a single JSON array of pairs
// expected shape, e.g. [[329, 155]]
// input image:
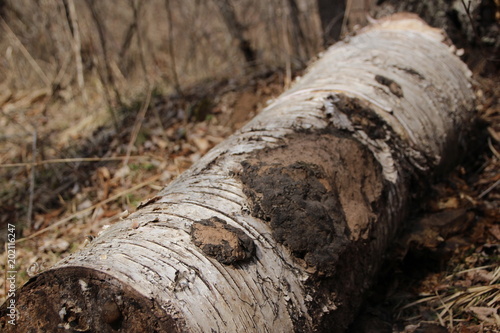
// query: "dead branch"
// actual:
[[29, 214], [26, 53], [109, 78], [171, 52], [236, 30], [69, 6]]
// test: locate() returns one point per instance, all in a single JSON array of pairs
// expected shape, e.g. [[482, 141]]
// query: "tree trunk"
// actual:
[[281, 227], [236, 30]]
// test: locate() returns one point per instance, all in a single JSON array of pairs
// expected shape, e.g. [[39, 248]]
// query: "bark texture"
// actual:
[[281, 227]]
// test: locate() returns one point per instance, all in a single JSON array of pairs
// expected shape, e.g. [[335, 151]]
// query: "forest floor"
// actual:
[[441, 275]]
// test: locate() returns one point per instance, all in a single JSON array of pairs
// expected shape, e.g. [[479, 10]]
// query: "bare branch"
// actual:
[[26, 53], [236, 29], [171, 47], [76, 44]]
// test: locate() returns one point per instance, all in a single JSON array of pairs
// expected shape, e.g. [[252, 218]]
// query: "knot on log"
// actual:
[[227, 244]]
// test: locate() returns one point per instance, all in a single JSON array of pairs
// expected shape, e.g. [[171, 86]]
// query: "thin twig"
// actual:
[[471, 21], [300, 41], [237, 30], [492, 148], [108, 79], [60, 74], [137, 126], [469, 270], [68, 218], [344, 29], [288, 50], [475, 31], [447, 308], [171, 52], [136, 9], [77, 46], [15, 121], [71, 160], [26, 53], [489, 189], [132, 28], [32, 181]]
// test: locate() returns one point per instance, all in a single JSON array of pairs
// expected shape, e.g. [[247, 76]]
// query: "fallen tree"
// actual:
[[281, 227]]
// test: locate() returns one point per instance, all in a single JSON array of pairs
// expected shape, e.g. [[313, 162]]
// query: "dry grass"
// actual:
[[456, 304]]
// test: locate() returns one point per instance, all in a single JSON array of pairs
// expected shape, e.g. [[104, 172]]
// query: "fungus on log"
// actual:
[[281, 227]]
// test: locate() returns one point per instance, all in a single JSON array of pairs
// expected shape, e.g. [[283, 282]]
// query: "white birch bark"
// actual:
[[419, 92]]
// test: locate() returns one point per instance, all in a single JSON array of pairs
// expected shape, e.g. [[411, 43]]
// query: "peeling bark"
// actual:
[[281, 227]]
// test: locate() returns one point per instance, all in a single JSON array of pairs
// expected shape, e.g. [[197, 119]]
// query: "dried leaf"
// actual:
[[60, 245], [122, 172], [202, 144], [449, 203], [160, 142], [495, 231], [488, 315]]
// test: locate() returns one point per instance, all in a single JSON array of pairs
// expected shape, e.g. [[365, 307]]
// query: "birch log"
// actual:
[[281, 227]]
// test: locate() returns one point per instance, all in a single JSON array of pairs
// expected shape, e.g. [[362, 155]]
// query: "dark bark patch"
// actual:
[[318, 192], [225, 243], [302, 208], [393, 86], [149, 201], [412, 72], [363, 117]]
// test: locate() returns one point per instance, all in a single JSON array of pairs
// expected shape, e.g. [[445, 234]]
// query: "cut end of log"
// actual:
[[405, 21], [78, 299]]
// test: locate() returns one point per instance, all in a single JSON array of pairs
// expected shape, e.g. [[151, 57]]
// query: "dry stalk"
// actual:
[[492, 148], [344, 27], [70, 160], [26, 53], [332, 16], [287, 47], [300, 41], [237, 30], [137, 126], [32, 181], [76, 45], [136, 8], [127, 41], [108, 79], [15, 121], [171, 52], [489, 189], [450, 307]]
